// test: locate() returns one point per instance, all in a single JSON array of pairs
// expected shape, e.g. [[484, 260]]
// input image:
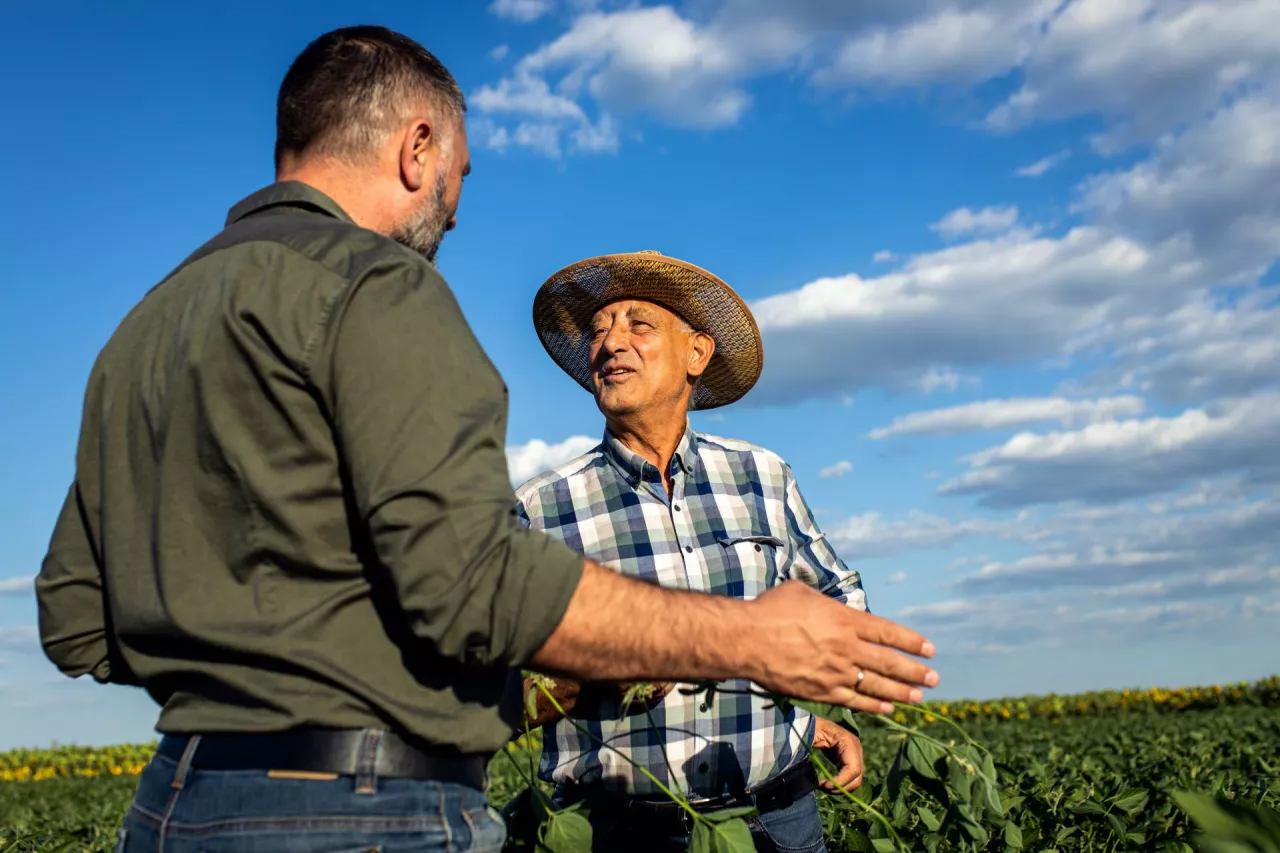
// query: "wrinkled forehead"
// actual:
[[635, 309]]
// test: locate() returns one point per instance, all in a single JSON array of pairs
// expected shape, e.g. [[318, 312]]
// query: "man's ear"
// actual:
[[418, 153], [704, 346]]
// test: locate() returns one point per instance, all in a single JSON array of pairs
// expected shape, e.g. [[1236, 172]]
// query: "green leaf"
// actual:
[[858, 841], [834, 713], [974, 830], [567, 831], [1117, 826], [729, 814], [923, 755], [928, 818], [1131, 801], [960, 780], [989, 784], [730, 836], [1226, 825], [884, 845], [1013, 835], [1088, 807], [531, 701], [700, 840]]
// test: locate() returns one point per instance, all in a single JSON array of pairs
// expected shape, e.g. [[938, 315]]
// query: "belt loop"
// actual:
[[367, 765], [184, 763]]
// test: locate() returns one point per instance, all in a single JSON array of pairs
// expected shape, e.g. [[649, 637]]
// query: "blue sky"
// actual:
[[1014, 263]]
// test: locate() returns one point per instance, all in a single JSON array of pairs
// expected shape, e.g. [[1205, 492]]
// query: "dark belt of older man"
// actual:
[[667, 817], [345, 752]]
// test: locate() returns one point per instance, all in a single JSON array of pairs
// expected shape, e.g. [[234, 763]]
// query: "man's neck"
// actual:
[[348, 187], [653, 438]]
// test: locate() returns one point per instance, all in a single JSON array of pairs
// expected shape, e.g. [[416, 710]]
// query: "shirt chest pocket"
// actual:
[[752, 562]]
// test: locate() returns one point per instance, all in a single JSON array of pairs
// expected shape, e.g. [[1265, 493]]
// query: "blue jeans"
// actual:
[[797, 828], [181, 810]]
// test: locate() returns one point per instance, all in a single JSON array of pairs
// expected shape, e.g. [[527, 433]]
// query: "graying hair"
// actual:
[[350, 87]]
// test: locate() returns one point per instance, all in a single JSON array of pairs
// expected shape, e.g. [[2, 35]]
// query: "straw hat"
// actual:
[[566, 302]]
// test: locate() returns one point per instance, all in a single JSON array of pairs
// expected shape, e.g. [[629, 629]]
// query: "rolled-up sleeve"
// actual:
[[813, 558], [74, 621], [420, 415]]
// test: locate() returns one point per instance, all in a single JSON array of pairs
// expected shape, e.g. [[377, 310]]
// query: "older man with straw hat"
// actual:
[[653, 337]]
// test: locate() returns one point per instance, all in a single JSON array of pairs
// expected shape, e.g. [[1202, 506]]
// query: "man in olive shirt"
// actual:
[[291, 520]]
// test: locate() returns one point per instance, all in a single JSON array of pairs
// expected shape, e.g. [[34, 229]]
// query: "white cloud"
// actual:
[[1012, 412], [884, 256], [1141, 285], [528, 95], [954, 42], [988, 220], [1212, 183], [533, 457], [499, 53], [896, 577], [1123, 459], [522, 11], [870, 535], [22, 585], [1039, 167], [837, 470], [1147, 65], [988, 302]]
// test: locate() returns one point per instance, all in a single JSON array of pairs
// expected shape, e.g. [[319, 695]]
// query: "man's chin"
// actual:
[[612, 407]]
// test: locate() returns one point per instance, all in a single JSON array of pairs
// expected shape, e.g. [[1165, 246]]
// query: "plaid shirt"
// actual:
[[735, 524]]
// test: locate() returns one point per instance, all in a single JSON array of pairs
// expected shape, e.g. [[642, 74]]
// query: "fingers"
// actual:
[[884, 632], [879, 687], [847, 697], [894, 666], [849, 773]]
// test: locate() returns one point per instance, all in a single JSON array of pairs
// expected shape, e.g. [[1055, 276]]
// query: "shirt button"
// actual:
[[702, 768], [677, 507], [688, 548], [757, 547], [703, 707]]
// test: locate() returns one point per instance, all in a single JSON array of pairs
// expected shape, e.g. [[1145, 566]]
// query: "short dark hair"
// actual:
[[348, 87]]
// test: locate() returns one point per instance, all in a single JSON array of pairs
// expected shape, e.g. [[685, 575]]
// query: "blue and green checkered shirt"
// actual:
[[734, 524]]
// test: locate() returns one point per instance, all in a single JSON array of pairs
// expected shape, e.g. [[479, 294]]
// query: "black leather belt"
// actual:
[[344, 752], [668, 817]]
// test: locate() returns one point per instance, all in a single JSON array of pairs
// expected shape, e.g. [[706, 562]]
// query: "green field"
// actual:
[[1101, 780]]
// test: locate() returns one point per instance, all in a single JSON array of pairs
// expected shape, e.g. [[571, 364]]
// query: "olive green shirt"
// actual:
[[291, 502]]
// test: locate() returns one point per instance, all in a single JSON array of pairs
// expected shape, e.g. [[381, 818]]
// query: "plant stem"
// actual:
[[582, 730]]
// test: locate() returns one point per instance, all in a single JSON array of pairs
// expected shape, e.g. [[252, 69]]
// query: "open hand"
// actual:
[[808, 646]]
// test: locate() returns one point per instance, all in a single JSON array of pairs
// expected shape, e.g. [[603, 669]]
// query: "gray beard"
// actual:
[[424, 232]]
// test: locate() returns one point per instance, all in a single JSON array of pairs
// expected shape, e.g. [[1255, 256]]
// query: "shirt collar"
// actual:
[[637, 468], [287, 194]]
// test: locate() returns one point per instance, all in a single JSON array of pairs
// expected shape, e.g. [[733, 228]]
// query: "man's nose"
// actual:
[[614, 340]]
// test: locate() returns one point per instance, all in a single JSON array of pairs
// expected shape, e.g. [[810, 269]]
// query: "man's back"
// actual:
[[245, 493]]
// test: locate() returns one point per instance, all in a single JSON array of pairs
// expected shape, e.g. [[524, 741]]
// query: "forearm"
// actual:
[[607, 633]]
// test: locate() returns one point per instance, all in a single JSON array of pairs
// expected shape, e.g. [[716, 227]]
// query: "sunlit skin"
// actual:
[[396, 182], [645, 360]]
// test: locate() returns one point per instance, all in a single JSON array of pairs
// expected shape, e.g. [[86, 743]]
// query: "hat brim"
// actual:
[[566, 302]]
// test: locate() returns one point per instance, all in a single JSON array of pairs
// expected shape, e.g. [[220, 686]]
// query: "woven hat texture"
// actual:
[[566, 302]]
